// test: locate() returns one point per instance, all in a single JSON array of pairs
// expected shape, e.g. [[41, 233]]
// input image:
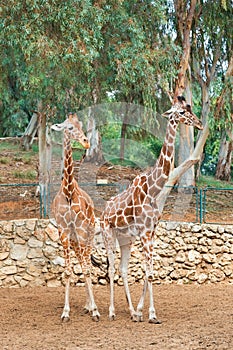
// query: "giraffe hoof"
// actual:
[[137, 318], [112, 317], [154, 321], [65, 319], [96, 318], [85, 310]]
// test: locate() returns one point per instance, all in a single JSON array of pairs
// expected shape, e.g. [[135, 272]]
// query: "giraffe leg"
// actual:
[[125, 255], [91, 306], [111, 272], [66, 310], [87, 306], [110, 245], [83, 253], [152, 314], [68, 270], [147, 245], [139, 315]]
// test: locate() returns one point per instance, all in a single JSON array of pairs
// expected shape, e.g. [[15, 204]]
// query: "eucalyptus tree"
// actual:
[[137, 52], [48, 53], [184, 15], [212, 49], [203, 30], [208, 32], [223, 116]]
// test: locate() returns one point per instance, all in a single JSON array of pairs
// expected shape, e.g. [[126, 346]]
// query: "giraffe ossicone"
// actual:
[[135, 213], [74, 214]]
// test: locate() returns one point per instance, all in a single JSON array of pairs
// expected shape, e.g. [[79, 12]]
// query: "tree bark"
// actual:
[[123, 133], [221, 98], [186, 145], [30, 132], [44, 157], [184, 28], [223, 170], [184, 24], [94, 153], [122, 145]]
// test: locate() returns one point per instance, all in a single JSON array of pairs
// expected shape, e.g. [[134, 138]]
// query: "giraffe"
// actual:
[[135, 213], [74, 213]]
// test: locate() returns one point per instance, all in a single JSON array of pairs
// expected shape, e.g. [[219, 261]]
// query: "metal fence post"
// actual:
[[200, 198]]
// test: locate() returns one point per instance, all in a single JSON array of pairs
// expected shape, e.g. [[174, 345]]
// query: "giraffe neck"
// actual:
[[162, 168], [68, 176]]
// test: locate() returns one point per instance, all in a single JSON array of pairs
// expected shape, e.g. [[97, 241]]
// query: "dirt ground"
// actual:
[[193, 317]]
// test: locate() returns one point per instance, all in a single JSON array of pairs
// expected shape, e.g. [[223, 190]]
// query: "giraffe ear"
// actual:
[[169, 112], [58, 127]]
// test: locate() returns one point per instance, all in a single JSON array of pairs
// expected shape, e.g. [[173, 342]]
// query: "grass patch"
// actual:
[[4, 160], [123, 162], [210, 181], [25, 158], [16, 145], [27, 175], [8, 146]]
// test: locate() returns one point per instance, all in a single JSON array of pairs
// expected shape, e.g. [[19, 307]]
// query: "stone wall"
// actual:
[[31, 255]]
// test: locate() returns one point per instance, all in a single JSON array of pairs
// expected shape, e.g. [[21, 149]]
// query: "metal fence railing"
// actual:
[[188, 204], [216, 205]]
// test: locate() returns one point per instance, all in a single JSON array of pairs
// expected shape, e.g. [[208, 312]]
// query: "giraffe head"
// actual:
[[73, 127], [182, 113]]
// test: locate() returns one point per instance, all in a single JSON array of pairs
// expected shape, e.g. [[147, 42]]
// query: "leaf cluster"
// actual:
[[61, 54]]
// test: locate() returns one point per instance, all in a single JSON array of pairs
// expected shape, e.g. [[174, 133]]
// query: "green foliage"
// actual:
[[35, 148], [141, 148], [110, 131], [78, 154], [57, 53]]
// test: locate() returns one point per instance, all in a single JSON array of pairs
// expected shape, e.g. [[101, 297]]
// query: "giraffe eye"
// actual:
[[70, 127], [183, 112]]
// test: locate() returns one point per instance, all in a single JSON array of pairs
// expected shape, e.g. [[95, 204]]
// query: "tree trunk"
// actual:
[[185, 149], [43, 161], [184, 23], [30, 132], [94, 153], [186, 145], [184, 28], [223, 170], [122, 146], [221, 98], [123, 133]]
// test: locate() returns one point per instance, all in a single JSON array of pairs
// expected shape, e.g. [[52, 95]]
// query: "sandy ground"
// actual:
[[193, 317]]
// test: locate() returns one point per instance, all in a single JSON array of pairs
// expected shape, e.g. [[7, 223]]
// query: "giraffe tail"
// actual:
[[96, 261]]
